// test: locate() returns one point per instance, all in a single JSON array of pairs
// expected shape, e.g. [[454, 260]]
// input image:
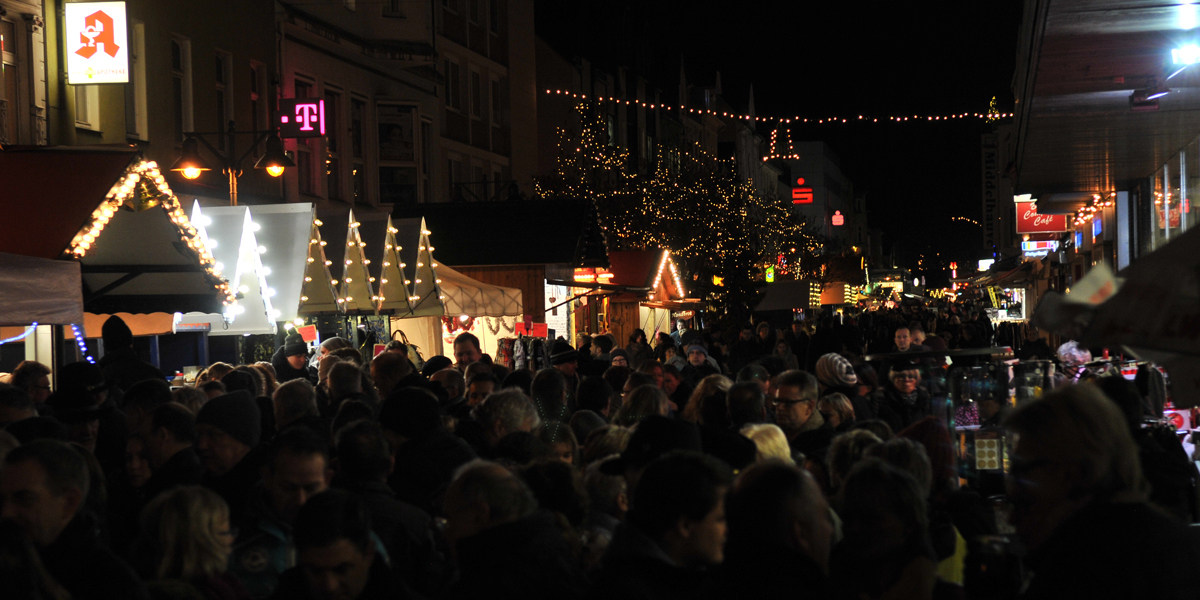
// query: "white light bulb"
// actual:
[[262, 249]]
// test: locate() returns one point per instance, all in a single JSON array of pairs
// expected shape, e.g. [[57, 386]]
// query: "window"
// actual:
[[87, 107], [398, 158], [494, 16], [454, 173], [450, 5], [136, 123], [476, 95], [333, 183], [495, 102], [258, 97], [181, 86], [304, 146], [427, 158], [9, 101], [223, 76], [393, 8], [473, 7], [453, 85], [479, 183], [498, 190], [358, 110]]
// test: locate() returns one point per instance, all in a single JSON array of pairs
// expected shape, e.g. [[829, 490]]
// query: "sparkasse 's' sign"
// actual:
[[97, 43]]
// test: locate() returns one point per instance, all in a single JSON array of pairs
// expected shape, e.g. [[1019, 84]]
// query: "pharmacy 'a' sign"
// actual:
[[97, 43]]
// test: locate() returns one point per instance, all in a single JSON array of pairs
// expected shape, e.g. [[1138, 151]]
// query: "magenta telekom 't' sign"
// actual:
[[301, 117]]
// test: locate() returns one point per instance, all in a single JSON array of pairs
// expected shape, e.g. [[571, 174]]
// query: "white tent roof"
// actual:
[[462, 295], [39, 290], [284, 231], [229, 233]]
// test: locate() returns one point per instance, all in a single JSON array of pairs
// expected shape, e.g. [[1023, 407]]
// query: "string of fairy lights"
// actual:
[[992, 113]]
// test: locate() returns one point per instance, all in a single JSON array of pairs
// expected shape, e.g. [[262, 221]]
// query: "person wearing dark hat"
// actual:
[[228, 429], [121, 365], [77, 408], [435, 364], [290, 361], [698, 366], [836, 375], [38, 428], [619, 358], [566, 359], [425, 453], [904, 402]]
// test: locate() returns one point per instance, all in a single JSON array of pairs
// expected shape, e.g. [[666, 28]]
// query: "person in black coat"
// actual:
[[43, 488], [336, 556], [290, 360], [173, 460], [425, 454], [120, 363], [363, 462], [903, 401], [503, 545]]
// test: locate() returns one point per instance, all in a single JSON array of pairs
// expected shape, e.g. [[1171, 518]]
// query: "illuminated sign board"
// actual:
[[986, 263], [1029, 221], [802, 195], [97, 43], [770, 274], [301, 117], [838, 219], [1050, 246]]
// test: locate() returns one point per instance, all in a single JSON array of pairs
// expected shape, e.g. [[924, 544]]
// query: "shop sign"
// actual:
[[301, 117], [97, 43], [1050, 245], [1029, 221], [838, 219], [532, 329], [1162, 219], [802, 195]]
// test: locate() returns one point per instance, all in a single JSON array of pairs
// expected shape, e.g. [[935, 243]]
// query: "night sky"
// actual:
[[820, 59]]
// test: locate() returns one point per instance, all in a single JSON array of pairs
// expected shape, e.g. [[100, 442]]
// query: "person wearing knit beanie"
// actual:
[[227, 428], [833, 370], [294, 346], [116, 334]]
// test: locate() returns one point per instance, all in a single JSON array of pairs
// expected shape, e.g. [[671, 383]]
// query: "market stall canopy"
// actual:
[[230, 234], [416, 284], [497, 233], [284, 230], [357, 284], [651, 269], [318, 290], [113, 212], [790, 295], [39, 290]]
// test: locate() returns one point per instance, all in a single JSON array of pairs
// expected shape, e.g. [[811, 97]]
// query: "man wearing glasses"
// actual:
[[904, 402], [796, 414]]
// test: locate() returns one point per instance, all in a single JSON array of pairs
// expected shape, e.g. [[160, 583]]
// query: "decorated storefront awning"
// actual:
[[230, 234], [113, 213]]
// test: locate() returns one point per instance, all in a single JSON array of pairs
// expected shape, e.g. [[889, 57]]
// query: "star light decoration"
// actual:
[[124, 192]]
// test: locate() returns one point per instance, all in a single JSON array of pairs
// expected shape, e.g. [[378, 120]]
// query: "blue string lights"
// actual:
[[17, 338], [79, 339]]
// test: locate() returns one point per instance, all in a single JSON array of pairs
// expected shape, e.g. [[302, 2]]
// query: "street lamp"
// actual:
[[190, 164]]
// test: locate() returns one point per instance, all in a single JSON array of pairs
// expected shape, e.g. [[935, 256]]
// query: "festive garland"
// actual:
[[453, 324], [495, 324]]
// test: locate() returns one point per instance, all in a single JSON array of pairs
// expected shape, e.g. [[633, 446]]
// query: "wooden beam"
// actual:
[[139, 269]]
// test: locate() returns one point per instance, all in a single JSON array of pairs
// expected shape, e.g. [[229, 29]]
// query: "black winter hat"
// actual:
[[83, 375], [411, 412], [562, 353], [239, 380], [116, 333], [294, 344], [74, 404], [236, 414]]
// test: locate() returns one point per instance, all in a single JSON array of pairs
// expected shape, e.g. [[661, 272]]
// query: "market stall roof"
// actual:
[[652, 269], [113, 212], [39, 290], [414, 283], [229, 232], [318, 290], [498, 233], [284, 230]]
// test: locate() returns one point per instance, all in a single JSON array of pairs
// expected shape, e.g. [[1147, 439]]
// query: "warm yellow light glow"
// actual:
[[275, 170], [191, 173]]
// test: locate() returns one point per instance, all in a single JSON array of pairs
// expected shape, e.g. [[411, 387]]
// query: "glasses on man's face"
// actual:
[[780, 402]]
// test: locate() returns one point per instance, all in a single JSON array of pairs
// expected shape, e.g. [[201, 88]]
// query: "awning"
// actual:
[[114, 213], [39, 290]]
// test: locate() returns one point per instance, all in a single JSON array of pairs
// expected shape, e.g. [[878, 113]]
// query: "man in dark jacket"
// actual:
[[1079, 504], [504, 546], [425, 454], [120, 364], [363, 463], [43, 487], [227, 434], [698, 366], [796, 394], [291, 360], [173, 461], [336, 554], [780, 535], [674, 532]]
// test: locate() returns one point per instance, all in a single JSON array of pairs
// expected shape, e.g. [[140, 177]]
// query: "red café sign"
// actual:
[[1029, 221]]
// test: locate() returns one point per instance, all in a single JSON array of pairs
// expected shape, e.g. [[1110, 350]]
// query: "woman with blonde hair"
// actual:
[[837, 410], [770, 440], [713, 385], [186, 536]]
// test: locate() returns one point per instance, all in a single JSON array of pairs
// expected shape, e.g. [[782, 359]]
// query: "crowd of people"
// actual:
[[678, 467]]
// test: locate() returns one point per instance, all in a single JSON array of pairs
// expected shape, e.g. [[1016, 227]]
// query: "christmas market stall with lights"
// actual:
[[110, 211], [433, 303]]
